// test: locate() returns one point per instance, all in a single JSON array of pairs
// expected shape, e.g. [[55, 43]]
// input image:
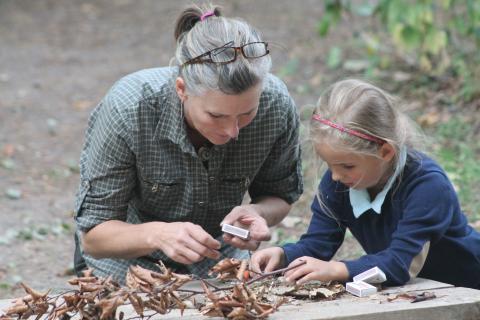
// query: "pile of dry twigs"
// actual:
[[151, 293]]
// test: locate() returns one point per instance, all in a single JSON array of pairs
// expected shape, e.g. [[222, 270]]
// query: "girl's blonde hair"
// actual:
[[360, 106], [363, 107]]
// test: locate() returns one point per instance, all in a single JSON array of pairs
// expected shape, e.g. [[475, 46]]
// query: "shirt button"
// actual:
[[201, 203], [211, 178]]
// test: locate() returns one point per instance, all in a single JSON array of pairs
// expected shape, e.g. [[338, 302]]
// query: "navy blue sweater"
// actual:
[[421, 211]]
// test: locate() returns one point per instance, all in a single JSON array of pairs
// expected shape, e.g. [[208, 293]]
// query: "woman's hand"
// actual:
[[247, 217], [268, 259], [184, 242], [315, 269]]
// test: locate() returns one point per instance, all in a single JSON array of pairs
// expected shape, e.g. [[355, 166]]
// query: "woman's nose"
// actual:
[[233, 130]]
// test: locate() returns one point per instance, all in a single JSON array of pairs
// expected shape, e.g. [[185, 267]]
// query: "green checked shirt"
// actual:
[[138, 165]]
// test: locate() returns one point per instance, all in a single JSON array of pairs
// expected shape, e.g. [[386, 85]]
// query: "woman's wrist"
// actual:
[[152, 230]]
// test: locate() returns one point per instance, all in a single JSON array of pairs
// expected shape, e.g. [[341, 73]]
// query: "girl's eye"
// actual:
[[348, 166], [215, 116]]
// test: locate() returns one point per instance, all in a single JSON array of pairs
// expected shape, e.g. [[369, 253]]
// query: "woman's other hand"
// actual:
[[247, 217]]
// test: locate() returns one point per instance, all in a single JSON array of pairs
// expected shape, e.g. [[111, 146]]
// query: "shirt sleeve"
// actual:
[[281, 173], [107, 168], [428, 210], [325, 233]]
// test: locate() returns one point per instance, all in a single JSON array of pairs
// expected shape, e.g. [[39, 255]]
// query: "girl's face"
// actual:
[[357, 170], [218, 117]]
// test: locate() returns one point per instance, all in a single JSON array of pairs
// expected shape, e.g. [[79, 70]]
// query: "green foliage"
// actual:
[[432, 36], [459, 155], [333, 11], [334, 58]]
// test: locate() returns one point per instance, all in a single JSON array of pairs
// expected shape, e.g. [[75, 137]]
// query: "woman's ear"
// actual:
[[180, 88], [387, 152]]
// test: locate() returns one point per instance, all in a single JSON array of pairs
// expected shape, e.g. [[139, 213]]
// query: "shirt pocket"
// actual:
[[231, 190], [81, 194], [162, 197]]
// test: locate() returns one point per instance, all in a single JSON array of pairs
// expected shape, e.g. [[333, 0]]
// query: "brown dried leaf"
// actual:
[[156, 306], [89, 287], [109, 306], [71, 300], [166, 274], [131, 281], [403, 295], [240, 293], [180, 280], [143, 275], [239, 312], [88, 296], [241, 270], [424, 296], [76, 281], [230, 303], [60, 312], [40, 308], [225, 265], [34, 294], [16, 309], [22, 300], [210, 295], [283, 289], [137, 303], [260, 308], [211, 310], [178, 302]]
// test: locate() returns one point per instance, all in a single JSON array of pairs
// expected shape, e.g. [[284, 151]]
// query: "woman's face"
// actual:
[[355, 170], [218, 117]]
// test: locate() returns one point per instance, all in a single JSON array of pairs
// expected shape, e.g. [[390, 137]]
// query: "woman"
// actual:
[[171, 152]]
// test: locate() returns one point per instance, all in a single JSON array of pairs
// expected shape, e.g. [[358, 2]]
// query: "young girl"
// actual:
[[397, 202]]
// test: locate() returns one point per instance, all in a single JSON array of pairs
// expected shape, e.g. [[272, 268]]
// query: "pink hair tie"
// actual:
[[349, 131], [206, 15]]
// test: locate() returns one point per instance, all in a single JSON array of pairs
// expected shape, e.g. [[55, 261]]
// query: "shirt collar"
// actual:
[[171, 124], [360, 199]]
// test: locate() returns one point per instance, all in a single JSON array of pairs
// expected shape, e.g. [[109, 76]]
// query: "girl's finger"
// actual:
[[296, 273], [271, 265], [306, 278]]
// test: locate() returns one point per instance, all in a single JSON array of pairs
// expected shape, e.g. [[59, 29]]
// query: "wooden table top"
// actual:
[[450, 303]]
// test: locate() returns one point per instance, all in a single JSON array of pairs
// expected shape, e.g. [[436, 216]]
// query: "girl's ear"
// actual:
[[180, 88], [387, 152]]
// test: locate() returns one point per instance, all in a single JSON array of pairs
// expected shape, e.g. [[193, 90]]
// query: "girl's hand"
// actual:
[[316, 269], [247, 217], [267, 260]]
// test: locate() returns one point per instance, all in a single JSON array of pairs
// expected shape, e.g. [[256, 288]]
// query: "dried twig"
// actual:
[[159, 292]]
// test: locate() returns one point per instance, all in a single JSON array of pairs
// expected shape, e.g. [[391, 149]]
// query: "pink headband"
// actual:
[[206, 15], [349, 131]]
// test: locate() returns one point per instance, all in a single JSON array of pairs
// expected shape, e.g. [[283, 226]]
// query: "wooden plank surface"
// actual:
[[451, 303]]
